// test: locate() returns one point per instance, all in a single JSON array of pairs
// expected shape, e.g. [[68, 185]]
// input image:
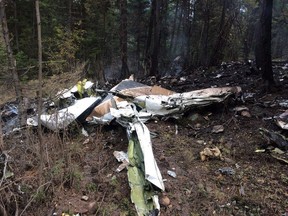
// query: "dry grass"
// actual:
[[51, 85]]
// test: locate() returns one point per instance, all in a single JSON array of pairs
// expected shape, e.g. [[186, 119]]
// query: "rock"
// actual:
[[218, 129], [200, 142], [165, 201], [246, 114], [162, 157], [228, 160], [85, 198], [92, 207], [174, 80]]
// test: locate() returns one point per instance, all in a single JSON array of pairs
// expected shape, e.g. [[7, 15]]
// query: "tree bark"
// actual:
[[174, 27], [12, 64], [263, 47], [16, 25], [147, 63], [123, 39], [225, 26], [206, 28], [1, 135], [39, 107], [156, 38]]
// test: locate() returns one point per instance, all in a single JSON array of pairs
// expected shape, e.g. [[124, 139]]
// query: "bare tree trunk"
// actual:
[[225, 26], [1, 135], [123, 38], [205, 41], [39, 107], [71, 62], [12, 64], [70, 15], [188, 33], [263, 47], [174, 27], [16, 25], [138, 36], [156, 38], [98, 64], [178, 31], [147, 63]]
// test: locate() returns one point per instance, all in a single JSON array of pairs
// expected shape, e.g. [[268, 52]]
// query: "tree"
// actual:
[[39, 107], [156, 36], [123, 38], [137, 37], [12, 64], [225, 26], [263, 44]]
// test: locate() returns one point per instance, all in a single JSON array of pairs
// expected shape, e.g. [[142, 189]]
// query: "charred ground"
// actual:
[[75, 166]]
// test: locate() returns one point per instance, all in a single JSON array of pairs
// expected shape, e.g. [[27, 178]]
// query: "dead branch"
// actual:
[[1, 135], [99, 207], [16, 206], [33, 197], [5, 167]]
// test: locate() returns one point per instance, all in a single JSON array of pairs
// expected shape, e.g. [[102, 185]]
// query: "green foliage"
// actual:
[[26, 66], [40, 196], [89, 31], [91, 187], [62, 48], [58, 168], [74, 177]]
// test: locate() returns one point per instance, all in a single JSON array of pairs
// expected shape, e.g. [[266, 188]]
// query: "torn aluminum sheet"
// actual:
[[180, 102], [275, 139], [62, 118], [9, 116], [227, 170], [282, 120], [142, 193], [142, 169], [127, 89], [121, 157], [152, 172], [133, 123], [283, 103], [158, 101]]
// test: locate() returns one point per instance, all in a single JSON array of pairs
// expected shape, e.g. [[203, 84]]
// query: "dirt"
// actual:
[[76, 166]]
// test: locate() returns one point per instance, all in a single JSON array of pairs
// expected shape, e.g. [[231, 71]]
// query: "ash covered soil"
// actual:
[[77, 167]]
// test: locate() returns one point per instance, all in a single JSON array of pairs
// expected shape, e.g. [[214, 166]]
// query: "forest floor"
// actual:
[[77, 167]]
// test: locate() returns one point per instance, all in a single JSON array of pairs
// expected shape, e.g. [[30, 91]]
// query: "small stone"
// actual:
[[200, 142], [92, 207], [162, 157], [86, 141], [85, 198], [165, 201], [218, 129], [246, 114], [228, 160], [173, 81]]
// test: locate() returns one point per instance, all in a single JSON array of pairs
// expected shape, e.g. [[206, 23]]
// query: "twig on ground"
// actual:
[[16, 206], [33, 197], [5, 168], [100, 203], [1, 135]]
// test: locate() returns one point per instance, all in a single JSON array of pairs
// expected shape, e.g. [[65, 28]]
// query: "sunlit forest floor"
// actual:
[[76, 166]]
